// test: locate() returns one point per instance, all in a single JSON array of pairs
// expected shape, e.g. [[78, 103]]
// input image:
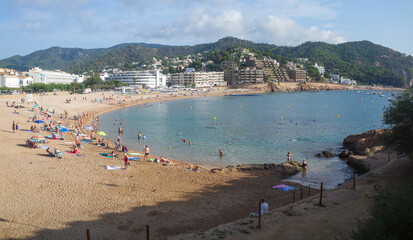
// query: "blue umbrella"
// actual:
[[39, 121], [35, 106], [64, 130]]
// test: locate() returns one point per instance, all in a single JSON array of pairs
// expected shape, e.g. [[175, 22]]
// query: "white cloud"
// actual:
[[200, 26]]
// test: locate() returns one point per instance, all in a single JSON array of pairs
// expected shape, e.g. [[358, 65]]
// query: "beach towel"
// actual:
[[113, 168], [133, 158], [109, 156], [137, 154], [81, 155], [103, 154], [44, 147], [85, 141], [284, 187], [69, 142]]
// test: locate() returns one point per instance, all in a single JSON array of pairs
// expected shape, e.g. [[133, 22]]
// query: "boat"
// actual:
[[389, 99], [382, 95]]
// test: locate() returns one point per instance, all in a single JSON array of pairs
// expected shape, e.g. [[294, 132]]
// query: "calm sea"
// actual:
[[253, 129]]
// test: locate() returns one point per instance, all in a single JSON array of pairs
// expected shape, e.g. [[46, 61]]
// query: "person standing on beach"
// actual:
[[288, 156], [17, 126], [146, 156], [14, 126], [126, 160]]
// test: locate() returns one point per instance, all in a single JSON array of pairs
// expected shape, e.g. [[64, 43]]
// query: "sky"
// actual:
[[30, 25]]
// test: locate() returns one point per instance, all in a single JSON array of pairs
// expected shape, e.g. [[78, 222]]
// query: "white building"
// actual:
[[321, 69], [151, 79], [10, 81], [198, 79], [25, 80], [45, 76], [347, 81], [335, 78]]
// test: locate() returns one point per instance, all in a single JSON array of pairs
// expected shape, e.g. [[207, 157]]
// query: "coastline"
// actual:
[[58, 198]]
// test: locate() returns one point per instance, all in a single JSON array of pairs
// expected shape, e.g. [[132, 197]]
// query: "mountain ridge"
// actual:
[[358, 59]]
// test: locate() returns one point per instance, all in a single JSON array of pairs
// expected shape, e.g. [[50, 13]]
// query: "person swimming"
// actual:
[[304, 165]]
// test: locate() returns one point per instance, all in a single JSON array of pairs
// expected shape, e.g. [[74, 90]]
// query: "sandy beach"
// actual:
[[50, 198]]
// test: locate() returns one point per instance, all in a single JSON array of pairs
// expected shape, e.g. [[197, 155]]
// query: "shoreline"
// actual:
[[47, 197]]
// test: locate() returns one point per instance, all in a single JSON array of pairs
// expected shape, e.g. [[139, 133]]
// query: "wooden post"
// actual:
[[259, 214], [321, 194], [309, 190], [301, 193], [147, 232], [87, 234], [354, 179], [293, 196]]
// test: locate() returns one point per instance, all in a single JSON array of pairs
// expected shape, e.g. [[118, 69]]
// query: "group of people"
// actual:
[[303, 164]]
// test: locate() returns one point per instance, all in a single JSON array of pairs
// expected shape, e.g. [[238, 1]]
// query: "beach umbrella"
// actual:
[[63, 130], [39, 121], [37, 138], [35, 106], [101, 133], [88, 128]]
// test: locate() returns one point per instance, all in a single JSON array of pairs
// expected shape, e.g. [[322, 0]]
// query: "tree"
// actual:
[[399, 115], [134, 81]]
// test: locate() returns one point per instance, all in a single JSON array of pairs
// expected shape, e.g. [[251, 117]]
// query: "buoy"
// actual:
[[382, 114], [240, 106], [215, 118], [281, 117], [170, 147], [190, 107], [288, 106], [371, 100], [361, 99], [144, 137], [338, 115]]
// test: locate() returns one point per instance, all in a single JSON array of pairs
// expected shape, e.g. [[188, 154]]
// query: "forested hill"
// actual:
[[57, 58], [364, 61]]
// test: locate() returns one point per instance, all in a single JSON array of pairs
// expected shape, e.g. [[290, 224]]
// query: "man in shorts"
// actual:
[[146, 156]]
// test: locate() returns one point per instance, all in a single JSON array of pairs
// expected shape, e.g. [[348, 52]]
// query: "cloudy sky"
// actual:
[[30, 25]]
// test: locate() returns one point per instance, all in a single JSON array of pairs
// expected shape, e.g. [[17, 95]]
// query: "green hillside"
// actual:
[[364, 61]]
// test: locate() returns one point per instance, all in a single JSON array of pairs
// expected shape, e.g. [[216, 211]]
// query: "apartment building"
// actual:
[[46, 76], [297, 75], [198, 79], [246, 76], [150, 79]]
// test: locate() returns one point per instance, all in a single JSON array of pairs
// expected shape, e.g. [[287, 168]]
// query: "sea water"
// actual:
[[253, 129]]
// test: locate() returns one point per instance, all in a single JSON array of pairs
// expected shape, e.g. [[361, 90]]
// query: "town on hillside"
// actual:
[[239, 66]]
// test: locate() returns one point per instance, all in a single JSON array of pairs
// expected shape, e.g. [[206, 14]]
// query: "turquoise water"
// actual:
[[253, 129]]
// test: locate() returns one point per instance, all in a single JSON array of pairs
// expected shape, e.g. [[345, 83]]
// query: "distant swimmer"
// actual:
[[288, 156], [189, 142], [221, 153], [184, 140], [139, 135]]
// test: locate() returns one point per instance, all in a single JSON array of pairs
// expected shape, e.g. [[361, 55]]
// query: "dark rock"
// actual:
[[250, 167], [325, 154], [269, 166], [344, 154], [290, 168]]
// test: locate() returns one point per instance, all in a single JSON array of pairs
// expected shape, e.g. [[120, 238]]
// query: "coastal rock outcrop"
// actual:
[[326, 154], [363, 144], [290, 168]]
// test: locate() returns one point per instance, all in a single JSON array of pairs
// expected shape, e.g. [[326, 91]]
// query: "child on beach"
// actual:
[[126, 160]]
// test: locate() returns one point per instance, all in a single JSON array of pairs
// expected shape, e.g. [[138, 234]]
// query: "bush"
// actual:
[[399, 115], [391, 215]]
